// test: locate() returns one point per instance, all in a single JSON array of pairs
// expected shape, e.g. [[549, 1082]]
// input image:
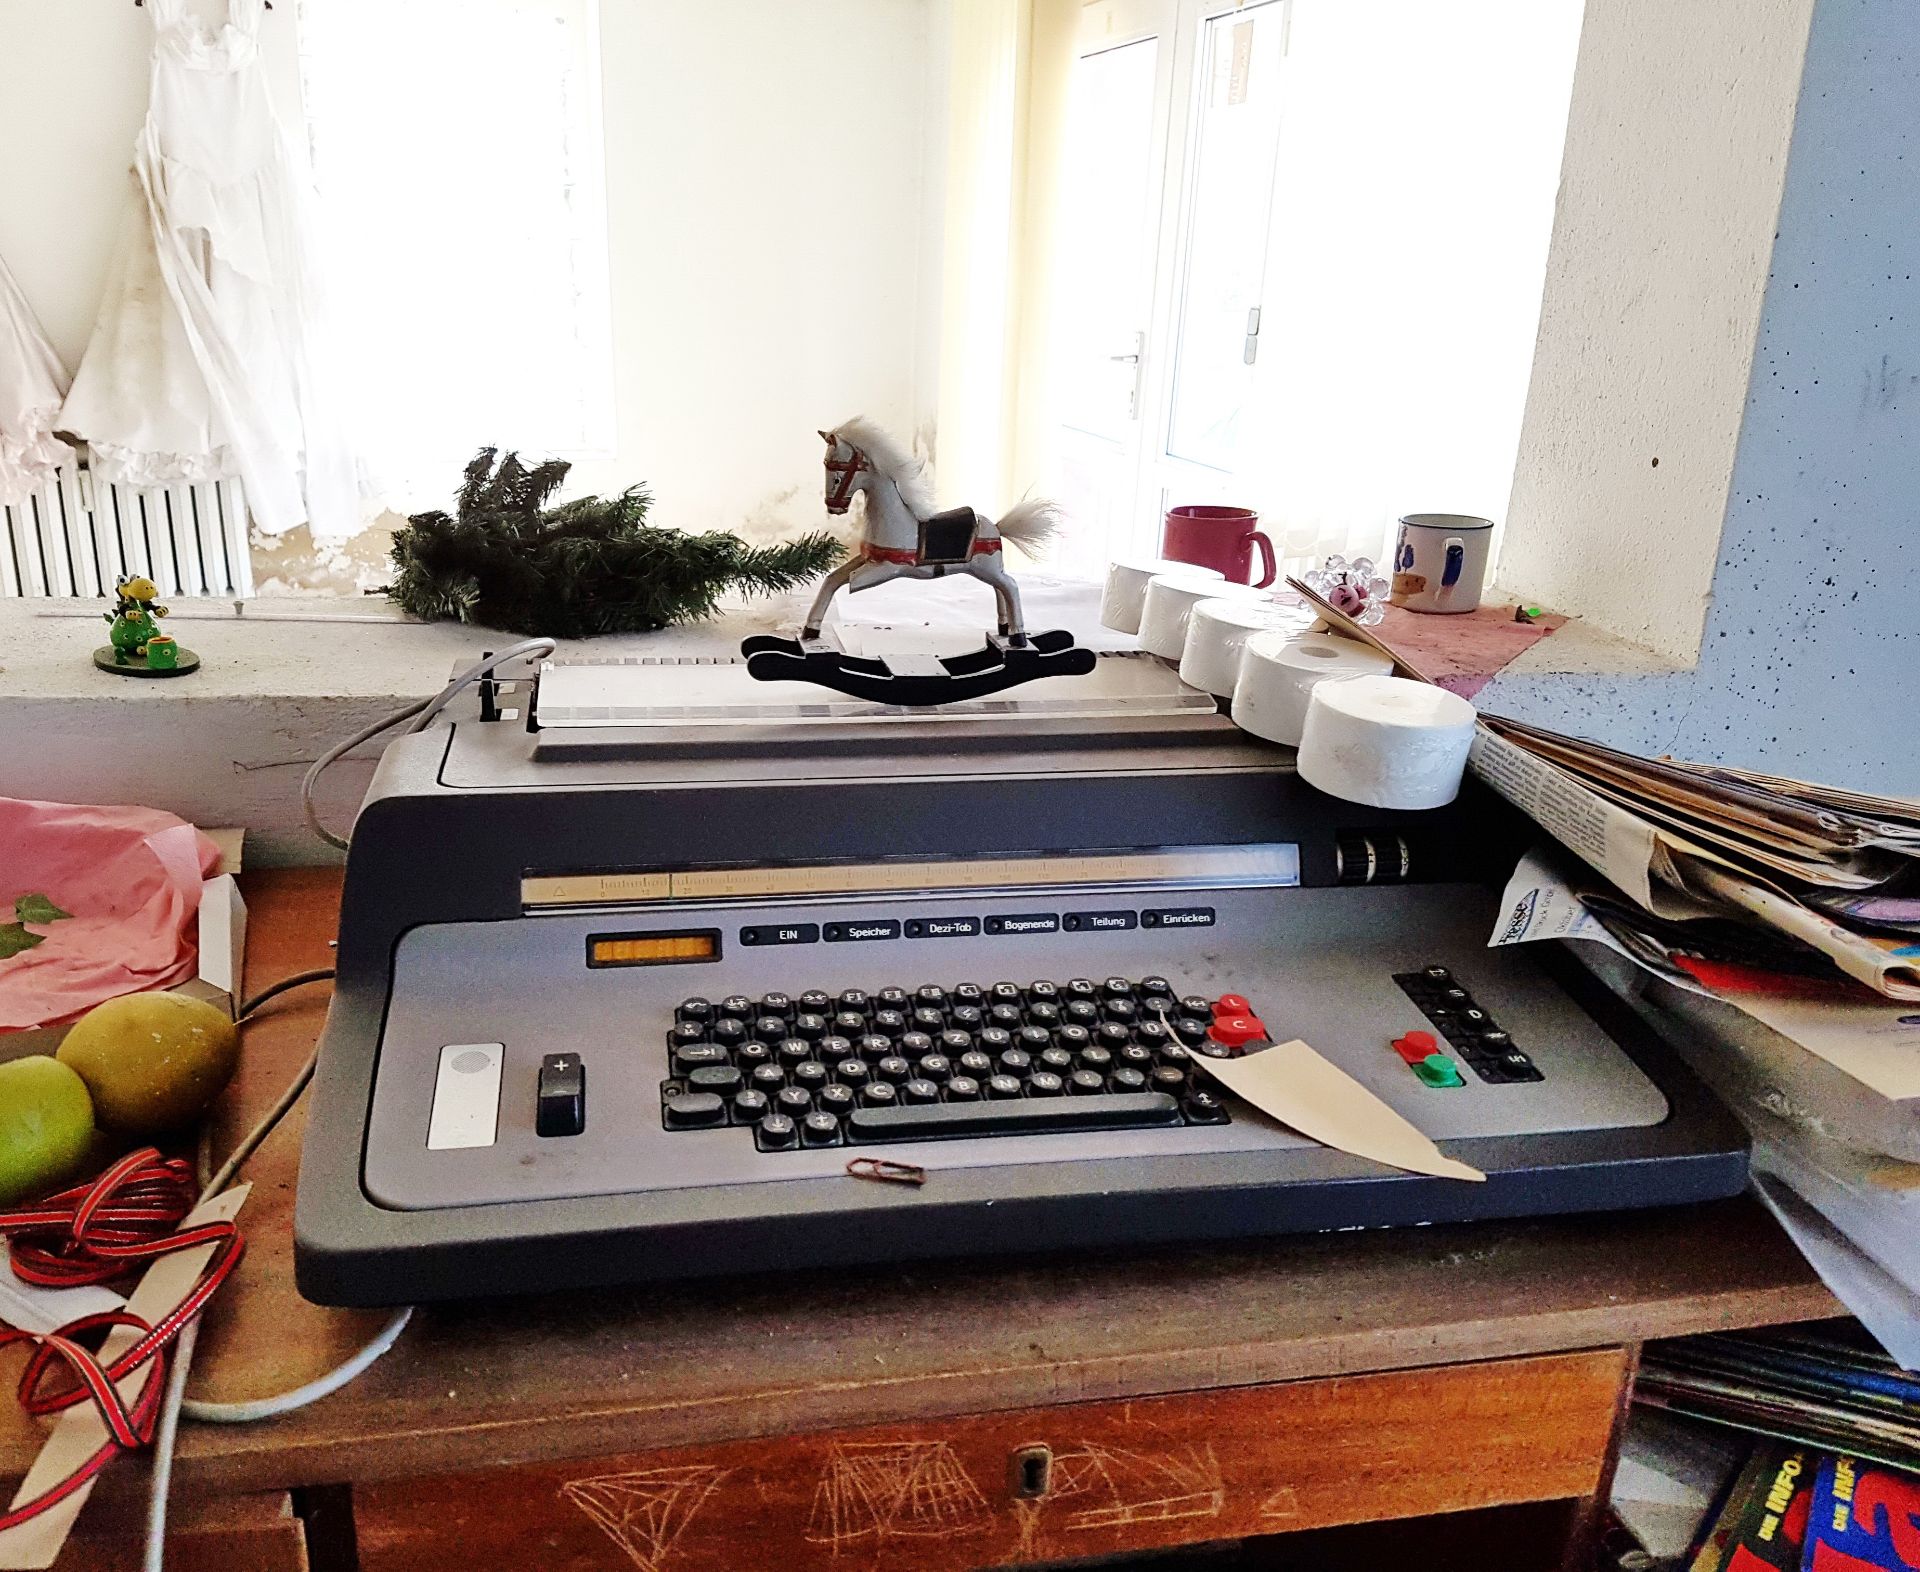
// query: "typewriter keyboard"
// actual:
[[936, 1063]]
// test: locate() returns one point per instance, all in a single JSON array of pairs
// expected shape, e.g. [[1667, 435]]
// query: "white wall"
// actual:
[[1676, 150], [765, 181], [1812, 649], [767, 170]]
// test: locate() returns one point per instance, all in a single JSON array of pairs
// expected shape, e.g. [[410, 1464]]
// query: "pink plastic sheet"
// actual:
[[1463, 652], [131, 879]]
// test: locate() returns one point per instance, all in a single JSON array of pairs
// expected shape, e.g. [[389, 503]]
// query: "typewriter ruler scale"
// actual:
[[632, 973], [1198, 866]]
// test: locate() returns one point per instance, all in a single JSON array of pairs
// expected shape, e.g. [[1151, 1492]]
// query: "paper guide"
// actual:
[[1310, 1094]]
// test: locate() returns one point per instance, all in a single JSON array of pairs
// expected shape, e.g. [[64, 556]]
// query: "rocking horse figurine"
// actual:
[[904, 538]]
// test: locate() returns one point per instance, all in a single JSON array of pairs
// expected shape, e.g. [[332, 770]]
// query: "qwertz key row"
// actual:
[[857, 1068]]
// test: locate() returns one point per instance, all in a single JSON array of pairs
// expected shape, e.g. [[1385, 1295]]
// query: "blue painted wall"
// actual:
[[1811, 662]]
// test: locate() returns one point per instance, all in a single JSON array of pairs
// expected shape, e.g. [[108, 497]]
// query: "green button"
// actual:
[[1438, 1070]]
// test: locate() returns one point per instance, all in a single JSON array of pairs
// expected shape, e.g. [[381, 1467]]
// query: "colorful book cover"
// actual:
[[1715, 1543], [1864, 1518], [1764, 1523]]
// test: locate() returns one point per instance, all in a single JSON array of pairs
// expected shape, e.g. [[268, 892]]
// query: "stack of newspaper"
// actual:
[[1774, 928], [1779, 1450], [1821, 1386], [1831, 872], [1775, 924]]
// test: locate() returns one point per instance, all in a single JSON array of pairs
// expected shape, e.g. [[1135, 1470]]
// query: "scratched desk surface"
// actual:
[[528, 1379]]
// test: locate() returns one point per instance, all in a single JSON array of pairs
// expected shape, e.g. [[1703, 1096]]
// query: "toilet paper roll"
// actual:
[[1278, 674], [1218, 631], [1171, 598], [1388, 742], [1126, 592]]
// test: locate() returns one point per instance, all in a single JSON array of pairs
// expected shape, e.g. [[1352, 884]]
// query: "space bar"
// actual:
[[1051, 1116]]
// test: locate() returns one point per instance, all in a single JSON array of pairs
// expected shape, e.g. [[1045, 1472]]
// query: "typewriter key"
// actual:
[[776, 1133]]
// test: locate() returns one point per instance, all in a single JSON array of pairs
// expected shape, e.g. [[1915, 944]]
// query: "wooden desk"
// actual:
[[1182, 1395]]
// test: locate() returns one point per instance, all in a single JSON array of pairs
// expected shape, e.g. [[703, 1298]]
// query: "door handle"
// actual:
[[1134, 359]]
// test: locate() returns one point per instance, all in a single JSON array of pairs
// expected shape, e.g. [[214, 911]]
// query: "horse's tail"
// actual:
[[1034, 526]]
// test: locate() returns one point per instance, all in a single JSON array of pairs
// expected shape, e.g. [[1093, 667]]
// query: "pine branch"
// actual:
[[504, 559], [769, 570]]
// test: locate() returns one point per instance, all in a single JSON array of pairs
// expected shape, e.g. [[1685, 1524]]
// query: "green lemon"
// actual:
[[153, 1061], [46, 1126]]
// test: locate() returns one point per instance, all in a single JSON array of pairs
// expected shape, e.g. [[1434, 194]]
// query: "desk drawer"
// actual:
[[955, 1493], [233, 1533]]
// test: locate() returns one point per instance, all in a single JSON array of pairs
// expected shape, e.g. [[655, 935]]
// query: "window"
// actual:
[[457, 153], [1314, 281]]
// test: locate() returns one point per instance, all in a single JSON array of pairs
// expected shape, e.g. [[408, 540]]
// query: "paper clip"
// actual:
[[887, 1172]]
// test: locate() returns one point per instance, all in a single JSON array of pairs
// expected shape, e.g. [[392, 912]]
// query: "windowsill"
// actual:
[[229, 743], [291, 648], [355, 648], [1581, 649]]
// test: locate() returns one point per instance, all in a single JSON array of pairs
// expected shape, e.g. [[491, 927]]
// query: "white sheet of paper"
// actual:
[[1877, 1043], [1311, 1094], [31, 1308], [1883, 1304], [1540, 904], [878, 640], [80, 1431]]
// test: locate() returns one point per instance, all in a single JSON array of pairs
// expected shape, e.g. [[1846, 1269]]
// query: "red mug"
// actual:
[[1220, 538]]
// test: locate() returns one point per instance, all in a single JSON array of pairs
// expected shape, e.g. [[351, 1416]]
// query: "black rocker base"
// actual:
[[991, 669]]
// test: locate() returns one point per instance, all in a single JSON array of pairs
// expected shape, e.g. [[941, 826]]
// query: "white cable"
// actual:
[[426, 711], [327, 758], [175, 1403], [286, 1402], [165, 1435]]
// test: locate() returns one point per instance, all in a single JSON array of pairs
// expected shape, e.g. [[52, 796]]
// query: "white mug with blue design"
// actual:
[[1440, 561]]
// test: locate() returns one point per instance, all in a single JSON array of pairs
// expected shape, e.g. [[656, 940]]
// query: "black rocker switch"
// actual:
[[563, 1095]]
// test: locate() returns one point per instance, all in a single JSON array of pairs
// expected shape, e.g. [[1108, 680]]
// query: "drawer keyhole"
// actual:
[[1032, 1472]]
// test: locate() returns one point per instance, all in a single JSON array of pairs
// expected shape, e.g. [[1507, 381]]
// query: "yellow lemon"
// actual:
[[153, 1061], [46, 1126]]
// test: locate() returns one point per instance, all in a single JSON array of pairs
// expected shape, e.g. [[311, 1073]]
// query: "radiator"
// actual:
[[75, 537]]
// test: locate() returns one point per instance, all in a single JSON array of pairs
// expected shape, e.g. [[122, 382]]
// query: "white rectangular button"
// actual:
[[466, 1096]]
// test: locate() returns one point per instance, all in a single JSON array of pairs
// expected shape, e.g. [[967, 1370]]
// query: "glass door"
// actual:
[[1172, 135], [1218, 226], [1113, 161]]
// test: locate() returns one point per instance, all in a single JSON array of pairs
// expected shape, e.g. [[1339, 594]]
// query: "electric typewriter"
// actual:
[[634, 964]]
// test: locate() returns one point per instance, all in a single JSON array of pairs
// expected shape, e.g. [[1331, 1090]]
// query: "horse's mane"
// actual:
[[908, 473]]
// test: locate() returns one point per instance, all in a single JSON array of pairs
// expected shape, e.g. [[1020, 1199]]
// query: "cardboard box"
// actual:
[[222, 939]]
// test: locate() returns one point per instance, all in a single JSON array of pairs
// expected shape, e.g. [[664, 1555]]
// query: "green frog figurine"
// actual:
[[138, 646], [134, 618]]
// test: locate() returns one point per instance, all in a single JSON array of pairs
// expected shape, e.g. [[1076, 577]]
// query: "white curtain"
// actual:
[[210, 356], [33, 384], [457, 147]]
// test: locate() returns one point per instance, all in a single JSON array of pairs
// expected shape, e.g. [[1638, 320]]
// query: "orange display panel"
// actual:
[[653, 949]]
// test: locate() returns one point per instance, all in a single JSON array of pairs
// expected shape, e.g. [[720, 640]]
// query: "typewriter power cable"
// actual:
[[421, 714], [175, 1404]]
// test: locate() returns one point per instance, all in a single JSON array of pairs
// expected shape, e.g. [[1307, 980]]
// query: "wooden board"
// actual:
[[234, 1534], [944, 1495], [638, 1369]]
